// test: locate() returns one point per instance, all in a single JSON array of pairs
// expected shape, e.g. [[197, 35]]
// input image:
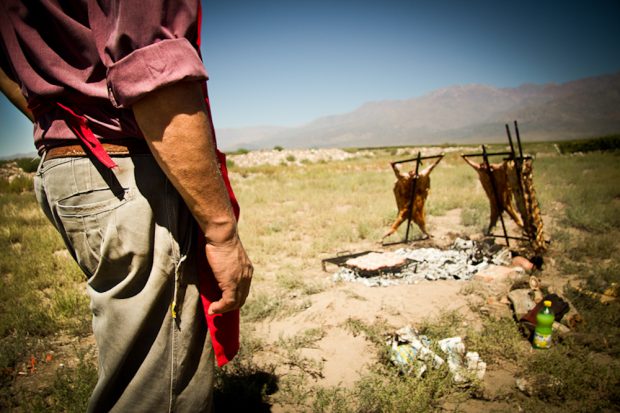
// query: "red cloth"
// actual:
[[224, 328], [79, 125]]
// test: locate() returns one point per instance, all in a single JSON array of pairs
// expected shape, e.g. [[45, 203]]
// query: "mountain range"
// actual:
[[472, 113]]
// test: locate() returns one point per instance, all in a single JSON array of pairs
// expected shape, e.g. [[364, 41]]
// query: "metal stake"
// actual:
[[518, 162], [512, 148], [518, 140]]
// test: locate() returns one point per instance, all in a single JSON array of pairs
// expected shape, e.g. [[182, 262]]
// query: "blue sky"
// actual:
[[286, 63]]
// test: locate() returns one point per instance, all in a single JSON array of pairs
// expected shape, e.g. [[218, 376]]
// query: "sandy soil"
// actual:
[[345, 355]]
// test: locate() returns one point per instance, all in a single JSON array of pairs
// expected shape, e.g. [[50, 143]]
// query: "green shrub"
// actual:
[[17, 185], [605, 143], [28, 165], [574, 377]]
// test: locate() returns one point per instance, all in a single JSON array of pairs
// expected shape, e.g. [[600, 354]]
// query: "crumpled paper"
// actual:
[[412, 353]]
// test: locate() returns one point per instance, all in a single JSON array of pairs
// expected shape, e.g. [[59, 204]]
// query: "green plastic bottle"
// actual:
[[543, 330]]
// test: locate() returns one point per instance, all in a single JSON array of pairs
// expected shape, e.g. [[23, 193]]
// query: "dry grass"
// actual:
[[292, 217]]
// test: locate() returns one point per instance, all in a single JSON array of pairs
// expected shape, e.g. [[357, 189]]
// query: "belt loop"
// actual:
[[40, 166]]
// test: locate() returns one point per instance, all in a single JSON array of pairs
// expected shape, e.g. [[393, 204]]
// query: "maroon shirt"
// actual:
[[97, 57]]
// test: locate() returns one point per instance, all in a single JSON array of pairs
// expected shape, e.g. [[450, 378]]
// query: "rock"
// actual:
[[504, 300], [524, 385], [522, 301], [522, 262], [497, 309], [548, 384], [463, 244], [572, 318], [496, 274], [538, 296], [560, 329], [502, 258], [613, 290]]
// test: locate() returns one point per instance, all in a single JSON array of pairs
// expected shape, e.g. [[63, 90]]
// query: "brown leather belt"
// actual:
[[121, 148]]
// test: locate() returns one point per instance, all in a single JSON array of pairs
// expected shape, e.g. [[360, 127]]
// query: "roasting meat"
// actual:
[[499, 172], [403, 188]]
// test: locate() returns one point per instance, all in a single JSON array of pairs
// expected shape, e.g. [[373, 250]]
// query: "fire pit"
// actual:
[[407, 266]]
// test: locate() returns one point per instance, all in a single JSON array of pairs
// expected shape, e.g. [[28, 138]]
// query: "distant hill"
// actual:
[[29, 155], [456, 114]]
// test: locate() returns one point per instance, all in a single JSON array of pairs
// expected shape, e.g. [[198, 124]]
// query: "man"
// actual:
[[130, 178]]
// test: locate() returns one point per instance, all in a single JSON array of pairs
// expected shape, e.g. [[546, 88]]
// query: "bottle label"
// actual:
[[542, 340]]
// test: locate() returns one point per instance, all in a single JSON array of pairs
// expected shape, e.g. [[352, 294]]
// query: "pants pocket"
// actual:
[[88, 218]]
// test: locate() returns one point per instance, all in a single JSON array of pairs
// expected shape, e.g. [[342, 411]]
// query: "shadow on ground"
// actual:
[[244, 392]]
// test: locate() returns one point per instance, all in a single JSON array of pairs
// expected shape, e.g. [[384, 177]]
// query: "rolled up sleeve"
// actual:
[[146, 48], [152, 67]]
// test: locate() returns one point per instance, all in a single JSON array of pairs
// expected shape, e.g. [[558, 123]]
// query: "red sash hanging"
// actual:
[[78, 125], [224, 328]]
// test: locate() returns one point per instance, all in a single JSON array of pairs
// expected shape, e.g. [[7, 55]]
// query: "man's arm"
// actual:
[[12, 91], [177, 128]]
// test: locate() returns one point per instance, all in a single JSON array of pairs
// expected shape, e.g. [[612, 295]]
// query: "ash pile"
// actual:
[[461, 261]]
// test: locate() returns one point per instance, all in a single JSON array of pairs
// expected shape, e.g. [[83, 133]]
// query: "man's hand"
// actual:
[[177, 127], [233, 271]]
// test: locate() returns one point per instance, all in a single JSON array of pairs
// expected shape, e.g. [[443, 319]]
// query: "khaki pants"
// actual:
[[131, 234]]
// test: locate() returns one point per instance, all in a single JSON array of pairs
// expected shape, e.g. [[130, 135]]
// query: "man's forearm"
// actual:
[[12, 91], [177, 128]]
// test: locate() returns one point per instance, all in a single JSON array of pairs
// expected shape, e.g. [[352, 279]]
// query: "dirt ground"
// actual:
[[346, 355]]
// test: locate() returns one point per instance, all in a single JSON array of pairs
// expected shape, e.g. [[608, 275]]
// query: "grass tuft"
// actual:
[[574, 377], [294, 216], [69, 392], [499, 339]]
